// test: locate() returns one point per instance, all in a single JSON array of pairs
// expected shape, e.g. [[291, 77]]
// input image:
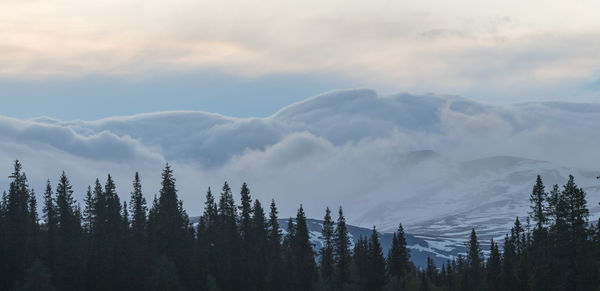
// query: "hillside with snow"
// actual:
[[438, 164]]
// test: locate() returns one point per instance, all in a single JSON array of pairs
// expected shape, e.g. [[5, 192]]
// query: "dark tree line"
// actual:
[[109, 244]]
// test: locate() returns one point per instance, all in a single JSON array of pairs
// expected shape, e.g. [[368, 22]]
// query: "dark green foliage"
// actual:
[[68, 265], [326, 266], [274, 273], [37, 278], [165, 276], [227, 243], [538, 207], [398, 258], [342, 252], [377, 277], [474, 263], [304, 271], [360, 265], [109, 246], [494, 267]]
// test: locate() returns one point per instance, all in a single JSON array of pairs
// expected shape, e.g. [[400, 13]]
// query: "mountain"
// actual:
[[438, 248], [438, 164]]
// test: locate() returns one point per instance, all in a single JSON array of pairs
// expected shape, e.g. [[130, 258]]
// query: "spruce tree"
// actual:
[[398, 258], [18, 226], [493, 267], [474, 263], [304, 260], [377, 275], [227, 244], [170, 229], [258, 263], [274, 275], [137, 202], [245, 227], [88, 211], [288, 247], [326, 252], [68, 269], [360, 264], [210, 221], [50, 226], [342, 252], [538, 206]]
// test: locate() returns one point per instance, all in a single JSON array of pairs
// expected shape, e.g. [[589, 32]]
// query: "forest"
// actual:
[[110, 244]]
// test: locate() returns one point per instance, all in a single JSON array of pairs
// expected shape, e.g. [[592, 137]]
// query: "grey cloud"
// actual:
[[385, 158]]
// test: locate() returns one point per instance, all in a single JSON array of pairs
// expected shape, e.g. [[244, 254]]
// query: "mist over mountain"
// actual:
[[438, 164]]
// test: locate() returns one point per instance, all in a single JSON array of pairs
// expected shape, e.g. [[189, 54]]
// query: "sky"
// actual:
[[79, 60], [313, 102]]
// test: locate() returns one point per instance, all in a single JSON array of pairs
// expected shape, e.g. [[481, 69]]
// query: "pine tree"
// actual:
[[258, 246], [246, 212], [170, 229], [431, 270], [360, 264], [228, 243], [377, 278], [245, 227], [137, 202], [538, 206], [326, 252], [68, 269], [138, 244], [19, 224], [398, 258], [210, 221], [493, 267], [305, 267], [288, 247], [342, 252], [274, 275], [474, 262], [88, 211], [50, 226]]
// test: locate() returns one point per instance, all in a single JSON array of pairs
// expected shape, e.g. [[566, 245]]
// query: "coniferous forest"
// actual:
[[110, 244]]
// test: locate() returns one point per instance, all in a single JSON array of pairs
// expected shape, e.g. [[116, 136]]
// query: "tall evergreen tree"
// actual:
[[169, 227], [68, 269], [274, 276], [50, 226], [538, 206], [342, 252], [88, 211], [360, 264], [258, 249], [245, 227], [228, 243], [19, 224], [137, 203], [326, 252], [493, 267], [304, 261], [398, 258], [474, 263], [378, 277]]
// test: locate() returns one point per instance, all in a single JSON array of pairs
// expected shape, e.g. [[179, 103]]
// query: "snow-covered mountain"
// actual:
[[438, 164], [440, 249]]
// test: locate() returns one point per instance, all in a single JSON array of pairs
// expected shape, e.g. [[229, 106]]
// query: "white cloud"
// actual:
[[347, 147], [468, 47]]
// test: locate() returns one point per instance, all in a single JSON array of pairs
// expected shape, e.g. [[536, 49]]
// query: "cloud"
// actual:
[[423, 46], [386, 159]]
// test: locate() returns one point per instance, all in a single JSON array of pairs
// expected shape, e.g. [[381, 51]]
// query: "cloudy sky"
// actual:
[[81, 60], [222, 90]]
